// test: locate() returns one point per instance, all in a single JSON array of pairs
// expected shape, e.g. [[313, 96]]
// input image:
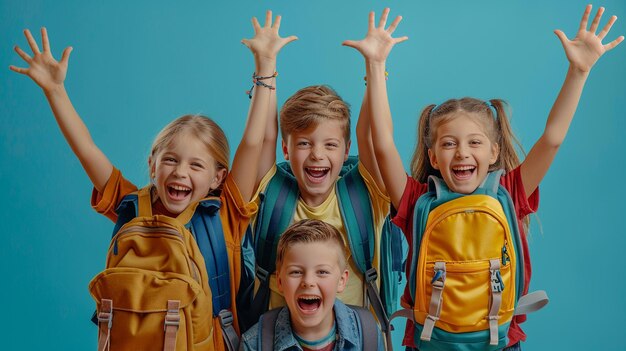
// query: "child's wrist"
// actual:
[[54, 90], [264, 62], [375, 64], [577, 71]]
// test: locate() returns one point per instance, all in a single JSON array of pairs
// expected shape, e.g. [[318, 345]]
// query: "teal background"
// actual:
[[137, 65]]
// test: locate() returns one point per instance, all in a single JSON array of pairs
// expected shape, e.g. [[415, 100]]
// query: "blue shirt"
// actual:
[[349, 332]]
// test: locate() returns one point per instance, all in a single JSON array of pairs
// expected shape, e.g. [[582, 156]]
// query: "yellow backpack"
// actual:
[[467, 271], [154, 293]]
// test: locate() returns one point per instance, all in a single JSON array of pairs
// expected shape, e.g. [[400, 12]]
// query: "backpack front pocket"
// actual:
[[466, 284]]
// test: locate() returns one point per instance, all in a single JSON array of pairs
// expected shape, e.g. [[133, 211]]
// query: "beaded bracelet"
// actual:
[[257, 80], [386, 77]]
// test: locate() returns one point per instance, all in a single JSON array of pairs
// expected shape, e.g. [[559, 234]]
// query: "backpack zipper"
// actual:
[[193, 268]]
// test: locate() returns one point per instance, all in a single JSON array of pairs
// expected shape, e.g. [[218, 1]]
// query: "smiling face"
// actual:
[[184, 172], [310, 276], [316, 156], [462, 152]]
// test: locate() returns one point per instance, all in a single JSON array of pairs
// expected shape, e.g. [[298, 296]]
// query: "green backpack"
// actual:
[[278, 204]]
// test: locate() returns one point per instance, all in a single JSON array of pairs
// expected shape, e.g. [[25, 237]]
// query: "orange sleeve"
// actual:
[[235, 215], [116, 188]]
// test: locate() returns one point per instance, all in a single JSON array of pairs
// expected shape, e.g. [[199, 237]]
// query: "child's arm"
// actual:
[[366, 145], [258, 144], [49, 74], [582, 53], [375, 48]]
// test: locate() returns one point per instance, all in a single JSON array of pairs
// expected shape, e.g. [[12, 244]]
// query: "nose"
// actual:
[[317, 153], [462, 151], [180, 170], [307, 281]]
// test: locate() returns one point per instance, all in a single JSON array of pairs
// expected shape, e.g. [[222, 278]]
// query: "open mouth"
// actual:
[[317, 174], [463, 172], [178, 192], [309, 303]]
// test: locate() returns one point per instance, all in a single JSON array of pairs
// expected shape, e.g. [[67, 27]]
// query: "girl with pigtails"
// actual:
[[461, 142]]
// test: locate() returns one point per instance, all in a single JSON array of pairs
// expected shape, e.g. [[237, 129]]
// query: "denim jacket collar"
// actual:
[[347, 330]]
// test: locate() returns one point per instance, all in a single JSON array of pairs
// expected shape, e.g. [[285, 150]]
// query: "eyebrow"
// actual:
[[470, 135]]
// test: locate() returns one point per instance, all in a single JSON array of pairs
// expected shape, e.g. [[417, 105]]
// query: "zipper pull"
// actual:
[[505, 255]]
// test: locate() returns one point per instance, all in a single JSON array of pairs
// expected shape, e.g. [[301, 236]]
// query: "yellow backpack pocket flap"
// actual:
[[144, 291]]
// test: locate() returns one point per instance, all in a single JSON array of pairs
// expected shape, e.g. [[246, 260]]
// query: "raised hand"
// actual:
[[378, 42], [266, 42], [586, 48], [42, 68]]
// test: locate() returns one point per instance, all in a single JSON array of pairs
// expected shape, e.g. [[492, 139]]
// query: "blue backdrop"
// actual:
[[137, 65]]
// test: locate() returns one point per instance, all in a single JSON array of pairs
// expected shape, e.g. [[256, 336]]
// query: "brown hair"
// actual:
[[203, 128], [497, 128], [312, 105], [310, 231]]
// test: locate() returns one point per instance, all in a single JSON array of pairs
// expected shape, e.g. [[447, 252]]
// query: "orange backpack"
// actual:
[[154, 293]]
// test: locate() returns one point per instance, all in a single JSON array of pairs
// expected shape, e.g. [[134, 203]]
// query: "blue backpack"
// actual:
[[466, 276], [278, 204]]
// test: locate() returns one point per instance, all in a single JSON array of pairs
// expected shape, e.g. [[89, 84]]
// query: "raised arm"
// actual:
[[375, 48], [257, 149], [50, 74], [582, 53], [366, 146]]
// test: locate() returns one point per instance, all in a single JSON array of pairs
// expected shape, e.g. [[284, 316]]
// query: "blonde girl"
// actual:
[[462, 140], [189, 160]]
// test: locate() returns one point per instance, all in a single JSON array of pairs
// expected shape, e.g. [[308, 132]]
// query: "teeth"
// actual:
[[180, 188], [309, 298], [463, 168], [318, 169]]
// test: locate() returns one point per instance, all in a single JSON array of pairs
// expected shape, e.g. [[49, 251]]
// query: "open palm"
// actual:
[[378, 42], [586, 48], [42, 68], [266, 42]]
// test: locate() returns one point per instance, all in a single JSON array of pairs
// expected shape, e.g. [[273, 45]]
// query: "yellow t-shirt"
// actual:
[[329, 212]]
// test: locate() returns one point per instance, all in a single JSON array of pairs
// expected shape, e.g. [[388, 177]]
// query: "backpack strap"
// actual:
[[104, 322], [531, 302], [268, 326], [206, 227], [275, 214], [356, 212], [491, 184], [434, 309], [245, 294], [144, 202], [368, 329], [393, 251], [172, 322]]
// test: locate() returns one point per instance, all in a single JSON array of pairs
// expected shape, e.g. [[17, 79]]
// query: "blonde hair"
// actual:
[[497, 128], [311, 106], [203, 128], [310, 231]]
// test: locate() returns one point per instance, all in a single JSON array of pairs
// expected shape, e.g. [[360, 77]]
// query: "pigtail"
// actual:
[[508, 158], [420, 162]]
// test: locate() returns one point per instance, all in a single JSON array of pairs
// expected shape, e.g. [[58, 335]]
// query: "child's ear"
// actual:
[[343, 281], [495, 152], [433, 159], [345, 157], [220, 175], [279, 282], [285, 150], [152, 167]]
